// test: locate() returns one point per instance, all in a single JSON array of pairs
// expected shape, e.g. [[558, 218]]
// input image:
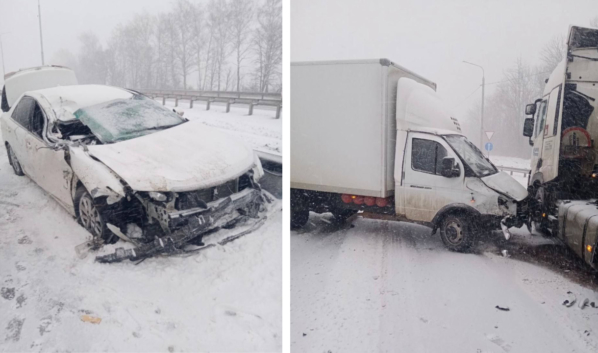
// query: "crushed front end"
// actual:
[[166, 222]]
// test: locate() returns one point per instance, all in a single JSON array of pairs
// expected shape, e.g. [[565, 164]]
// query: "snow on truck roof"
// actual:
[[66, 100], [420, 108], [381, 61]]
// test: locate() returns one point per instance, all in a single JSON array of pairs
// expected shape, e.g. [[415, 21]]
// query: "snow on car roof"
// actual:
[[66, 100]]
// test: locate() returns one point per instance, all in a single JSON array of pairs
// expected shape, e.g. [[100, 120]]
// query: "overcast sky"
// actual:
[[62, 21], [433, 37]]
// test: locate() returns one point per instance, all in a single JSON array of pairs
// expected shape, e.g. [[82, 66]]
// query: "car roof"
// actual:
[[66, 100]]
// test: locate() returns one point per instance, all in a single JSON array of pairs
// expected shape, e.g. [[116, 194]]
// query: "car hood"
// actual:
[[504, 184], [187, 157]]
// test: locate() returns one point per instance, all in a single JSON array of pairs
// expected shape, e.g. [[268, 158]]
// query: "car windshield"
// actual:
[[471, 155], [124, 119]]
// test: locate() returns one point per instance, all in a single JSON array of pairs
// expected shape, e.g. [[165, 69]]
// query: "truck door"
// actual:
[[423, 189], [551, 137], [538, 137]]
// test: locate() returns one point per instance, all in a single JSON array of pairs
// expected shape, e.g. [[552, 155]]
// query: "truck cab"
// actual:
[[562, 127], [393, 148]]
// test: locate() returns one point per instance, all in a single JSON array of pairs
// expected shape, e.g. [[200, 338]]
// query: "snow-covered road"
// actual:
[[223, 299], [382, 286]]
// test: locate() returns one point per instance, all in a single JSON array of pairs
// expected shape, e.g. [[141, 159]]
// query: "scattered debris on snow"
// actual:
[[502, 308]]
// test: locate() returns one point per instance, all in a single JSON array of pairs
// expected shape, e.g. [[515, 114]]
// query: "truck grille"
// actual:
[[199, 198]]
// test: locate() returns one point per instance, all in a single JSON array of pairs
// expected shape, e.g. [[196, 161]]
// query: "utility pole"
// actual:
[[2, 52], [482, 116], [41, 38]]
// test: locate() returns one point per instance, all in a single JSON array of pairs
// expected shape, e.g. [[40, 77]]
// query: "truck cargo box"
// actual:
[[343, 125]]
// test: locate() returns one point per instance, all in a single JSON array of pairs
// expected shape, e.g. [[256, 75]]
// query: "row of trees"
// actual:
[[521, 84], [222, 45]]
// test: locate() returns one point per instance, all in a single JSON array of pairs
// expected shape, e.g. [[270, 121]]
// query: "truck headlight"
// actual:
[[158, 196]]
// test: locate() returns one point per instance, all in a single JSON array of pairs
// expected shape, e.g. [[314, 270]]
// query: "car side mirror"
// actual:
[[530, 109], [449, 169], [528, 127], [178, 111]]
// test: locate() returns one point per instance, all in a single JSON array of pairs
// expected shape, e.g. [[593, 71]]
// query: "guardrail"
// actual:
[[525, 172], [251, 99]]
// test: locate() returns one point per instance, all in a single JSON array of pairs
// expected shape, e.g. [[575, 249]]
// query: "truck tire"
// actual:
[[341, 215], [457, 233], [299, 218]]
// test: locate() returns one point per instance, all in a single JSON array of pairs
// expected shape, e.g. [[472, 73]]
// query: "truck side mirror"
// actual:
[[449, 169], [528, 127], [530, 109]]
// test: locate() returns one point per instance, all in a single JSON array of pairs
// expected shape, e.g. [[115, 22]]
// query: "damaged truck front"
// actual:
[[130, 169]]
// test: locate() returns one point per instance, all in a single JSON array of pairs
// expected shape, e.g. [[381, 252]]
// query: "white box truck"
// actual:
[[563, 130], [370, 135]]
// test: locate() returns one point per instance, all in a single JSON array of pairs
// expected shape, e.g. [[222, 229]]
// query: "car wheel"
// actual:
[[299, 218], [12, 159], [341, 216], [90, 217], [457, 233]]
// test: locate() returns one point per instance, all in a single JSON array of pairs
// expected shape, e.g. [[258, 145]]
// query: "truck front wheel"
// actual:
[[457, 233], [299, 218]]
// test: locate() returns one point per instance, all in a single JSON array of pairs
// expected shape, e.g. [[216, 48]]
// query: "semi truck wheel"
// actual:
[[457, 233], [299, 218]]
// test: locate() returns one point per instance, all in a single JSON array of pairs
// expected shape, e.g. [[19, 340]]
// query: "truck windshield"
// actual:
[[124, 119], [471, 155]]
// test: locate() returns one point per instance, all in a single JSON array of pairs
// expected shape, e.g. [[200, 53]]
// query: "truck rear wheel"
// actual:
[[457, 233], [299, 218]]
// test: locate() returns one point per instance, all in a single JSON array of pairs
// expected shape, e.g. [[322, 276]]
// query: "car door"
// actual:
[[48, 166], [16, 131], [424, 189]]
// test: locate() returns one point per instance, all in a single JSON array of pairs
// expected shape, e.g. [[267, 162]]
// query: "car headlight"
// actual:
[[158, 196]]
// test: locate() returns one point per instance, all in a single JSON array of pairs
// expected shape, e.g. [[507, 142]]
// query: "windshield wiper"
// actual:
[[157, 128]]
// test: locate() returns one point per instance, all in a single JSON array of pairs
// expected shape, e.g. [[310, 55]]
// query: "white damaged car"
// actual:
[[126, 167]]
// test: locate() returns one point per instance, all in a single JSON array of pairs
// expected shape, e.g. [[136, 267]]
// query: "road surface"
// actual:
[[383, 286]]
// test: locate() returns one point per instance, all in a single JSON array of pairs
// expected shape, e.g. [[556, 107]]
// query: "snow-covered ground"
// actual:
[[382, 286], [223, 299], [513, 162], [261, 130]]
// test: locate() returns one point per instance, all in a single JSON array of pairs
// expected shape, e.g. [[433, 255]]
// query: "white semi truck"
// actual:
[[372, 136], [563, 131]]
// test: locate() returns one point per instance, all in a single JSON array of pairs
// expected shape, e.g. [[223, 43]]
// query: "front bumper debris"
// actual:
[[229, 210]]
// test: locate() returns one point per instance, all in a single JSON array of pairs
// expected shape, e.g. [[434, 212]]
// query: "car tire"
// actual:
[[299, 218], [457, 233], [341, 215], [89, 217], [14, 162]]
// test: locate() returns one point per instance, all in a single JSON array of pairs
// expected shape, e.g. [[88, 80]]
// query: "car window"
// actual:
[[37, 121], [22, 111], [427, 155]]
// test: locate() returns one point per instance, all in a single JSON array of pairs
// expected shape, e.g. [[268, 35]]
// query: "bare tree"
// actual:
[[553, 52], [241, 14], [198, 40], [91, 60], [594, 22], [184, 16], [218, 21], [267, 42]]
